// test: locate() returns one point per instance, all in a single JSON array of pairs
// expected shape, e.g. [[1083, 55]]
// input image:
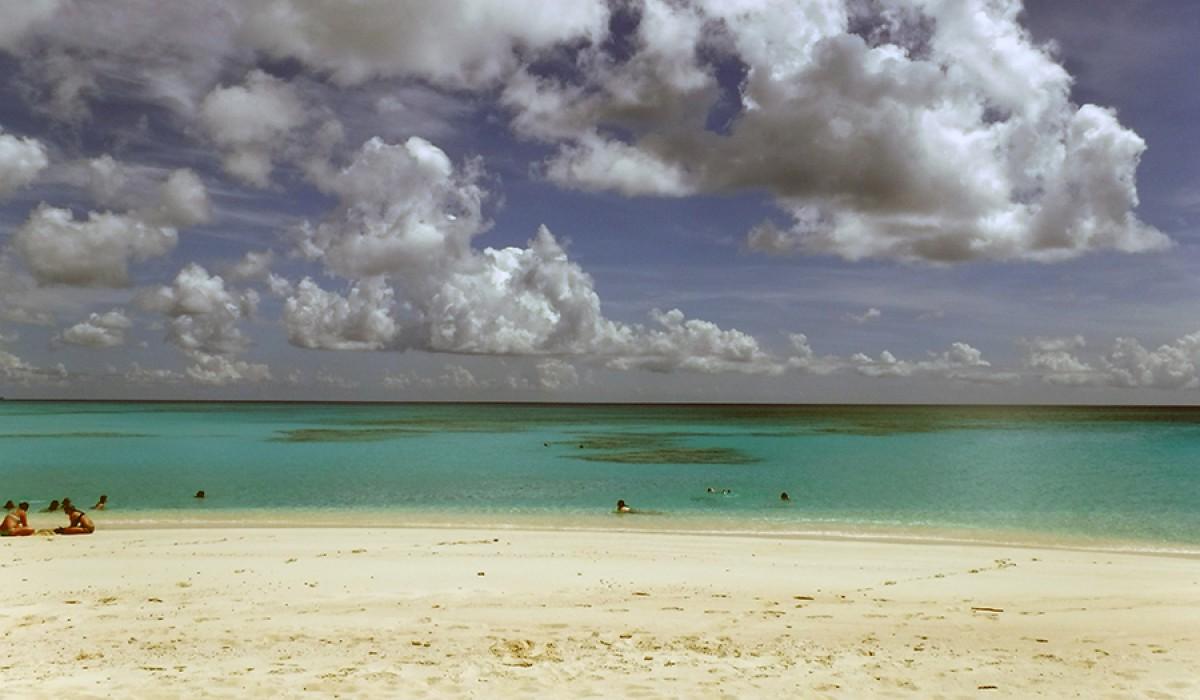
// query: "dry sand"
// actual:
[[502, 613]]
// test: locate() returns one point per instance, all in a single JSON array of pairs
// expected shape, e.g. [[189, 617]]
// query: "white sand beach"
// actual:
[[502, 613]]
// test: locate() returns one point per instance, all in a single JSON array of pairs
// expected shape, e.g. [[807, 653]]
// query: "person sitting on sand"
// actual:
[[53, 507], [16, 524], [102, 503], [623, 508], [80, 523]]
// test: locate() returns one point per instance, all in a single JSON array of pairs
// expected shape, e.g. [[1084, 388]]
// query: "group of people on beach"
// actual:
[[16, 519]]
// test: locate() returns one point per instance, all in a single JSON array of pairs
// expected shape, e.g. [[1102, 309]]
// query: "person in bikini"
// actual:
[[16, 524], [80, 523]]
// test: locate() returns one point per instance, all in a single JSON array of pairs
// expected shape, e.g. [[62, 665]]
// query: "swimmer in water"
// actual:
[[785, 497], [102, 503], [623, 508]]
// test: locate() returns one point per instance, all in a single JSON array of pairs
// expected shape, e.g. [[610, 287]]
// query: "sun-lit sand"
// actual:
[[502, 613]]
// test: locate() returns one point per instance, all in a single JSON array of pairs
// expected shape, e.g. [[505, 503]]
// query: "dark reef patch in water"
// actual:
[[673, 455], [341, 435], [58, 436], [652, 448], [438, 425], [618, 441]]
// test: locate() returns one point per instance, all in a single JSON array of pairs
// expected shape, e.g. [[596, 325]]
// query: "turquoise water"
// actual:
[[1081, 474]]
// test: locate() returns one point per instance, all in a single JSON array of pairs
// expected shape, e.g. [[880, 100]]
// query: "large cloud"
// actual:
[[21, 160], [403, 232], [469, 43], [933, 130], [403, 235], [97, 251], [857, 116], [94, 252]]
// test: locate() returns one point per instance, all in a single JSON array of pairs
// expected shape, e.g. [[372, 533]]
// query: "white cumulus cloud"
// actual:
[[203, 321], [94, 252], [21, 160], [106, 330], [361, 320], [250, 123], [858, 118], [408, 217]]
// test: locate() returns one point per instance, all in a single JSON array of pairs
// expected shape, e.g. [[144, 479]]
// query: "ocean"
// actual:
[[1077, 476]]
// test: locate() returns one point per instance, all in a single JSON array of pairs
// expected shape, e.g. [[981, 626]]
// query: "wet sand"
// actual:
[[500, 613]]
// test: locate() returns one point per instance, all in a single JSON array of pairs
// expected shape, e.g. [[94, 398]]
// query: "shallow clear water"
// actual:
[[1080, 474]]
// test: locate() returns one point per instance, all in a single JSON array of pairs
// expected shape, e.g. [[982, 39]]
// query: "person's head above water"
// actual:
[[103, 498], [9, 505], [53, 506], [784, 496], [200, 494], [622, 507]]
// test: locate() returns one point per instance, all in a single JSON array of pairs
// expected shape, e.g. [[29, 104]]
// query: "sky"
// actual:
[[850, 201]]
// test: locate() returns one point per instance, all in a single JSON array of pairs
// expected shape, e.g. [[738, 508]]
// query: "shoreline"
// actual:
[[491, 612], [193, 519]]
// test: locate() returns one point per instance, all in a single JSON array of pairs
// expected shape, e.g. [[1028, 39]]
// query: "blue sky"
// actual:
[[826, 200]]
